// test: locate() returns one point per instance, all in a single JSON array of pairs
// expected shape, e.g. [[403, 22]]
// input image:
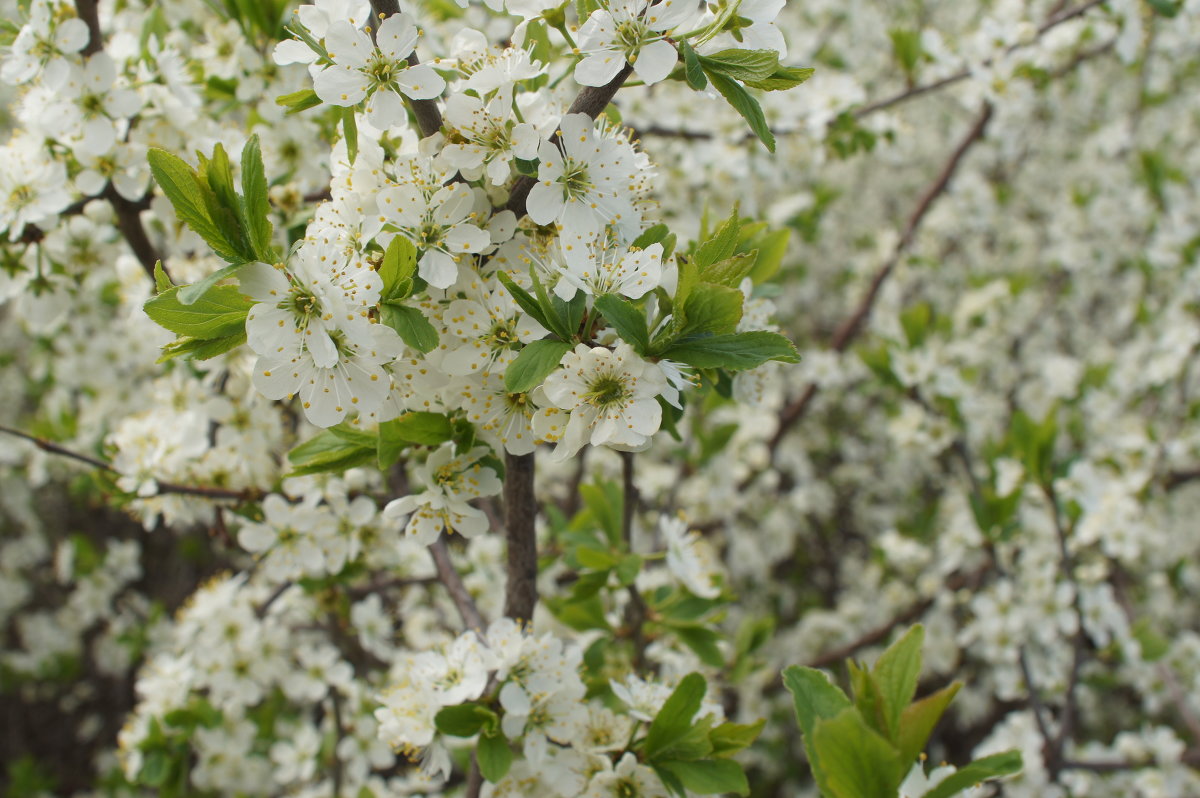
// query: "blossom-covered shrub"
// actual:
[[533, 398]]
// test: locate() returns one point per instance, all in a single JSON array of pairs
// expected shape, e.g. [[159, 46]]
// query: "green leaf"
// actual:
[[350, 133], [855, 760], [906, 46], [464, 720], [220, 312], [187, 194], [162, 282], [624, 317], [745, 104], [533, 364], [188, 294], [731, 271], [328, 452], [580, 613], [919, 719], [201, 348], [742, 64], [494, 756], [703, 642], [651, 235], [710, 308], [990, 767], [733, 352], [417, 427], [255, 204], [558, 324], [525, 300], [398, 267], [1152, 643], [721, 245], [527, 168], [867, 696], [675, 717], [299, 101], [1165, 8], [628, 569], [709, 776], [156, 769], [782, 79], [896, 672], [692, 70], [729, 738], [771, 250], [814, 698], [411, 324]]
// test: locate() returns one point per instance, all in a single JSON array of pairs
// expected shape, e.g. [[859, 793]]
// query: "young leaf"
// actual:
[[188, 294], [350, 133], [626, 319], [161, 281], [721, 245], [733, 352], [417, 427], [558, 323], [411, 324], [525, 300], [464, 720], [709, 776], [896, 672], [494, 756], [745, 104], [299, 101], [328, 452], [703, 642], [201, 348], [814, 697], [651, 235], [771, 249], [919, 718], [731, 271], [729, 738], [692, 71], [782, 79], [710, 308], [854, 759], [534, 363], [742, 64], [398, 267], [675, 717], [990, 767], [181, 184], [220, 312], [255, 205]]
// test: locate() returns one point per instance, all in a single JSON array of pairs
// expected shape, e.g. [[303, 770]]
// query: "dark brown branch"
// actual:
[[129, 222], [852, 326], [635, 612], [520, 515], [89, 12], [426, 112], [449, 576], [339, 731], [592, 100]]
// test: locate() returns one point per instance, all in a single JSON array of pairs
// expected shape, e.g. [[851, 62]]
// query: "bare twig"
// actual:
[[339, 731], [852, 326], [448, 575], [163, 487]]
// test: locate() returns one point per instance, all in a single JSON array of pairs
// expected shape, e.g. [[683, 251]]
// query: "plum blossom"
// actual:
[[630, 31], [451, 482]]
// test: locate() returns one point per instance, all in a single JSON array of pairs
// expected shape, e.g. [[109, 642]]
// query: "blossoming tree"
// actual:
[[438, 352]]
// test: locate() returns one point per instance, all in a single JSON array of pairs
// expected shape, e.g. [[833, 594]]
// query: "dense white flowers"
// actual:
[[451, 482]]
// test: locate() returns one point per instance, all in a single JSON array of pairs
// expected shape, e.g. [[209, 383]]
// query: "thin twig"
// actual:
[[204, 491], [448, 575], [852, 326], [339, 732]]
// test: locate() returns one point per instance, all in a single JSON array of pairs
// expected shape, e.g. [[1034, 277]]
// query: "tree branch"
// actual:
[[448, 575], [426, 112], [635, 612], [592, 100], [520, 515], [852, 326], [163, 487]]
